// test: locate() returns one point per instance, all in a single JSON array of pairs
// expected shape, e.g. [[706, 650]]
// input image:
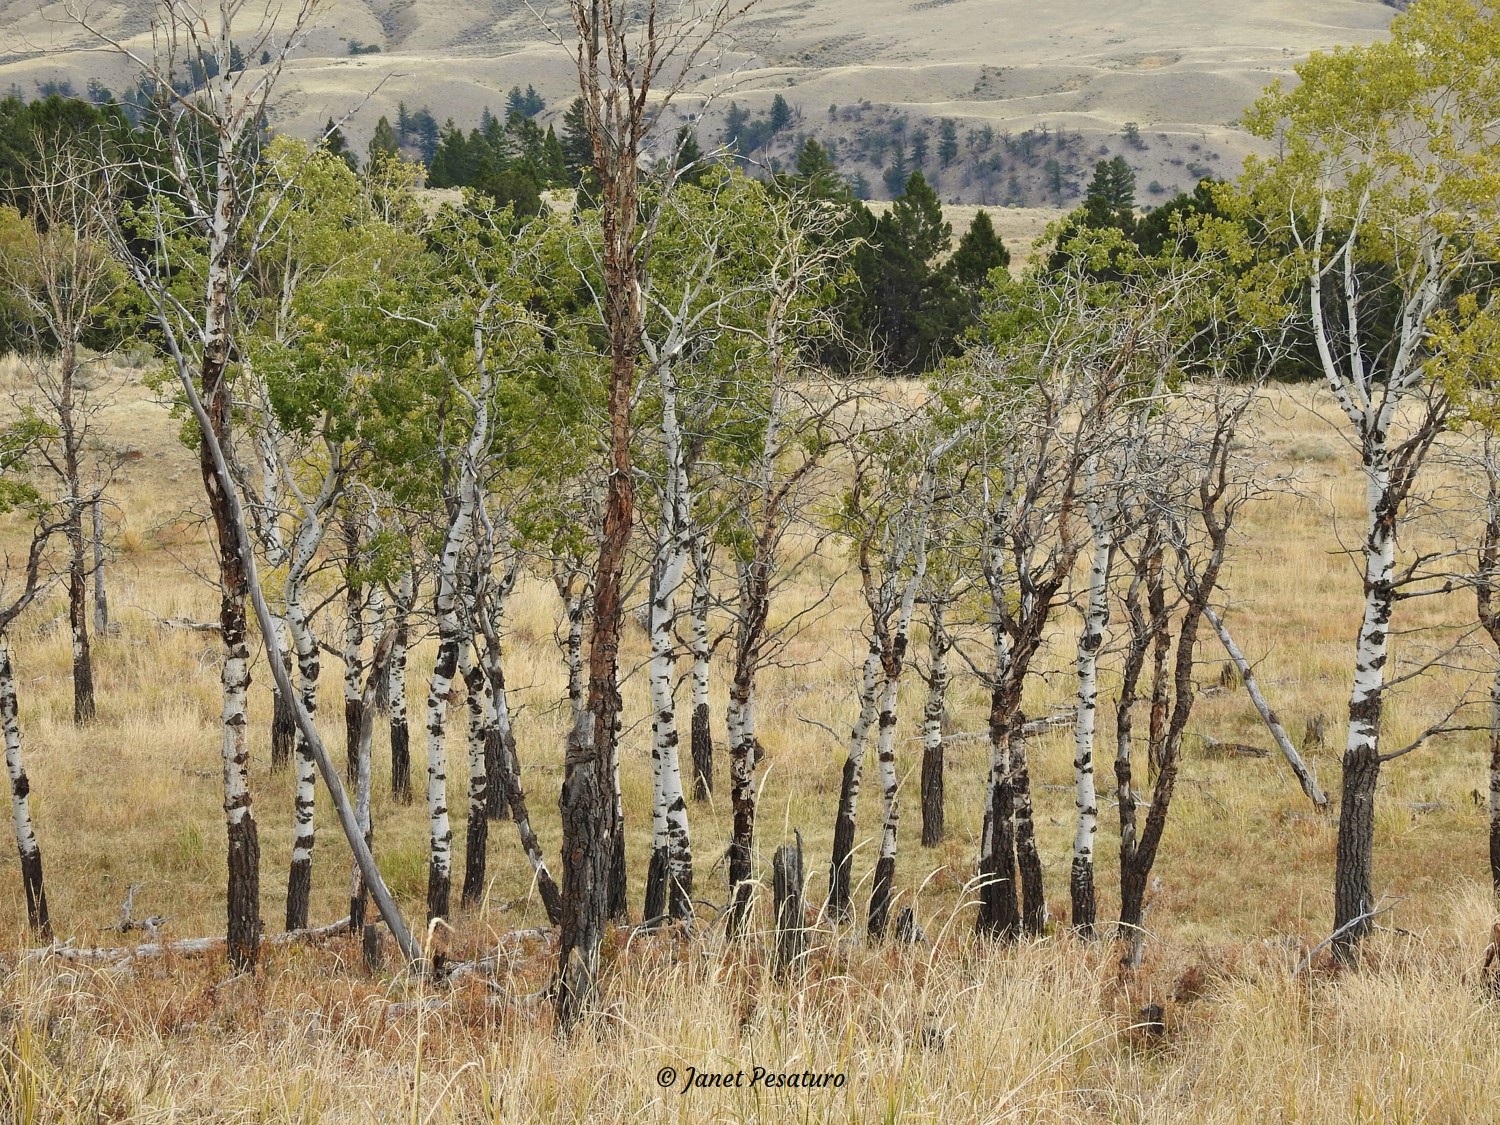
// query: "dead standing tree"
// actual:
[[766, 486], [631, 59], [1192, 484], [59, 273]]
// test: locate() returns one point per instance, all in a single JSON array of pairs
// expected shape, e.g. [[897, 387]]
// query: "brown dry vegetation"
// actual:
[[953, 1031]]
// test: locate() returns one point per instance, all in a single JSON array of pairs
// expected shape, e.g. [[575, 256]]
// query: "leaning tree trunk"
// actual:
[[702, 731], [499, 740], [1086, 801], [841, 865], [1354, 890], [20, 802], [396, 685], [477, 840], [938, 645], [354, 638]]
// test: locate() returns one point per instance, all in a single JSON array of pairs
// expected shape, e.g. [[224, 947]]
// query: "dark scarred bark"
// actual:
[[283, 727], [933, 712], [1028, 857], [999, 914], [396, 679], [703, 753], [78, 615], [243, 898], [354, 635], [477, 836]]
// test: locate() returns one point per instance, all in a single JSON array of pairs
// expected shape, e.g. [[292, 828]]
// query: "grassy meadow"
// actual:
[[946, 1031]]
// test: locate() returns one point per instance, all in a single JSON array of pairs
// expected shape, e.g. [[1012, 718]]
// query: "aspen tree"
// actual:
[[1383, 191], [57, 270]]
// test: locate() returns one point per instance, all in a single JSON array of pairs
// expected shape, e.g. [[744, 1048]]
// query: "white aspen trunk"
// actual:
[[305, 544], [1086, 800], [299, 880], [670, 880], [1354, 894], [893, 666], [702, 734], [450, 637], [839, 874], [400, 726], [20, 800], [885, 756], [740, 717], [378, 624]]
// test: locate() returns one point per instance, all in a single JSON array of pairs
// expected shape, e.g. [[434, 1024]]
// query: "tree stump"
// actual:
[[371, 949], [791, 918]]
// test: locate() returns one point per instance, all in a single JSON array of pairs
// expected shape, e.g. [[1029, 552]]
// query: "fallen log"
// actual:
[[185, 947]]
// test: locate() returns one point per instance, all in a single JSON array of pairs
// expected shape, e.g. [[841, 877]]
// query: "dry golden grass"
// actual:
[[950, 1032]]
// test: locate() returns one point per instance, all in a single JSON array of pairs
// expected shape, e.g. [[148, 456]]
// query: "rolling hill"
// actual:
[[1023, 85]]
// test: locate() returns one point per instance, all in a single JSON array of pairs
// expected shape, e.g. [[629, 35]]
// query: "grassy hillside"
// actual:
[[1076, 69]]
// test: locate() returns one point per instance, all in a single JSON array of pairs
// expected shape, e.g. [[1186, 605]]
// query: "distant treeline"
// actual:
[[915, 289]]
